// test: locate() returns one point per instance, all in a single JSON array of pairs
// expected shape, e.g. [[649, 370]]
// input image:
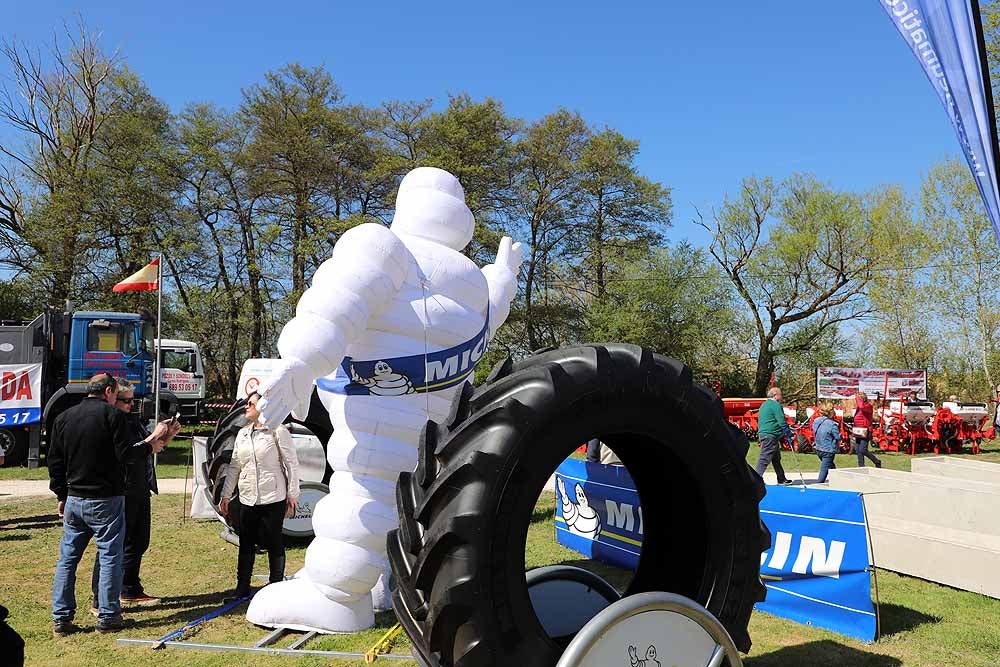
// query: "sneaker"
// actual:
[[142, 599], [786, 482], [112, 624], [63, 628]]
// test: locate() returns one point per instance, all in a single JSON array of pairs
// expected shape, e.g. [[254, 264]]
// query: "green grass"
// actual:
[[188, 565], [191, 568]]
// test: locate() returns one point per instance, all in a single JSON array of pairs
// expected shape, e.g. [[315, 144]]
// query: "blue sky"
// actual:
[[713, 91]]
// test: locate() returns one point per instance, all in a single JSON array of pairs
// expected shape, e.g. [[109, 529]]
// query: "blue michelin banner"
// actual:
[[816, 570], [946, 37]]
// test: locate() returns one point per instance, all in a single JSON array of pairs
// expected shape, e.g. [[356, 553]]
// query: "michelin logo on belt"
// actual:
[[414, 374]]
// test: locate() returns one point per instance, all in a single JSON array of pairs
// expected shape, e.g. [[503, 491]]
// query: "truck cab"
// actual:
[[117, 343], [58, 353], [182, 373]]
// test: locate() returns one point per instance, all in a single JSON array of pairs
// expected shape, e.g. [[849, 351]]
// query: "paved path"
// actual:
[[34, 488], [14, 489]]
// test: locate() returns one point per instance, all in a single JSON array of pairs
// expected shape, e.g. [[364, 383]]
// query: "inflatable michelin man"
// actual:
[[393, 324]]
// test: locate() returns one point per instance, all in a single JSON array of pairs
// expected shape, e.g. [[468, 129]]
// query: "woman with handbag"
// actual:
[[862, 430], [264, 467]]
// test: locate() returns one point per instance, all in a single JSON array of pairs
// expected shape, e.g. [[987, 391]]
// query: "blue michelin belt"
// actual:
[[415, 374]]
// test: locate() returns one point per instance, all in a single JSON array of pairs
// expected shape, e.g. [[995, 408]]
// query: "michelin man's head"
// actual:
[[581, 497], [651, 653], [430, 204], [382, 368]]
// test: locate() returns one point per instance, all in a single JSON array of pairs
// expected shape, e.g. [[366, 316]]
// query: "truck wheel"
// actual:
[[14, 443], [458, 555]]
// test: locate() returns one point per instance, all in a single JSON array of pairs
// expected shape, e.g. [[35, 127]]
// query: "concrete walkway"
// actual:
[[14, 489], [39, 488]]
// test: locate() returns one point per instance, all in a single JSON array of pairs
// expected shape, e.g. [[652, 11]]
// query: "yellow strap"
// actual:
[[382, 645]]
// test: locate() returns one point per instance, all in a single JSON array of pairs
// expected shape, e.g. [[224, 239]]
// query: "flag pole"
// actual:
[[156, 346]]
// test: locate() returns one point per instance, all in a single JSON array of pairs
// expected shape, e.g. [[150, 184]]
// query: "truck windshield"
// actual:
[[148, 336], [178, 359], [105, 336]]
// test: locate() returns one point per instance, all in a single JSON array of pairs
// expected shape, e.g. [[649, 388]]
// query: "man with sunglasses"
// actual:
[[140, 480], [89, 445]]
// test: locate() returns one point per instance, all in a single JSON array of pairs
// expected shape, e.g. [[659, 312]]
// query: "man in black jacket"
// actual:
[[89, 446], [140, 480]]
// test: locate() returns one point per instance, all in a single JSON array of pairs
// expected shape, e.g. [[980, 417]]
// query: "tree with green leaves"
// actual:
[[801, 257], [674, 301], [619, 212], [966, 271], [49, 187], [543, 199]]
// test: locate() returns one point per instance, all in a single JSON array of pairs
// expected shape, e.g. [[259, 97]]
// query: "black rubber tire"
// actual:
[[458, 556]]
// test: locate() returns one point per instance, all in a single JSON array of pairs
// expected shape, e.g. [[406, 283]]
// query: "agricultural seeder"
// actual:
[[916, 426], [743, 413]]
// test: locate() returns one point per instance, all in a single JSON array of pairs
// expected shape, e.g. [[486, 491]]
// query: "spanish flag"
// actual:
[[144, 280]]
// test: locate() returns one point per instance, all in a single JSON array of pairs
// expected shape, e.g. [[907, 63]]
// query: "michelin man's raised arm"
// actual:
[[501, 277], [364, 272]]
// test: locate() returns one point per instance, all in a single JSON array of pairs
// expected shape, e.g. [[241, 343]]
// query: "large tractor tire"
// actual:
[[458, 556]]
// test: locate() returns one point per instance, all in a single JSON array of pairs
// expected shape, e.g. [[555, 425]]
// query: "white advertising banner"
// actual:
[[179, 382], [20, 394], [839, 383]]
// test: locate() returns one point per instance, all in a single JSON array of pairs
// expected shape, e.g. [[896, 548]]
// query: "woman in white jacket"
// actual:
[[265, 469]]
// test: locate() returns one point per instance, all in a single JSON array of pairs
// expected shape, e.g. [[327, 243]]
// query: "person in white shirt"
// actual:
[[264, 468]]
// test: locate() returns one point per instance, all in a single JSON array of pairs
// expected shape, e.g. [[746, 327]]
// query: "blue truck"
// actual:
[[45, 365]]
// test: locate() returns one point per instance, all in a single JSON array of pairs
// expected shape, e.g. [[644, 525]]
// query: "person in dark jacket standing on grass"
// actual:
[[140, 480], [89, 446], [772, 428]]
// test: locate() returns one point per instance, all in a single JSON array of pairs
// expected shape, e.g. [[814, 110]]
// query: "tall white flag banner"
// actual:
[[946, 36]]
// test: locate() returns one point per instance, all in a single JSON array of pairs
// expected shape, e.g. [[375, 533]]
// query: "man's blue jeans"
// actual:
[[83, 518]]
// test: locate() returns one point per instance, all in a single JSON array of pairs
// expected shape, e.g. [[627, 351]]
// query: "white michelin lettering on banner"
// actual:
[[812, 550], [437, 370], [479, 349], [620, 515], [782, 545]]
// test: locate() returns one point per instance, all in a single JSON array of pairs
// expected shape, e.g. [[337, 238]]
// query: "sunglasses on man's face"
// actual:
[[126, 400]]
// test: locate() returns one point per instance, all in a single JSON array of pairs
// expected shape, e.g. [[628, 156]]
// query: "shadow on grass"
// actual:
[[542, 513], [820, 654], [177, 453], [894, 619], [31, 522], [188, 609], [19, 537]]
